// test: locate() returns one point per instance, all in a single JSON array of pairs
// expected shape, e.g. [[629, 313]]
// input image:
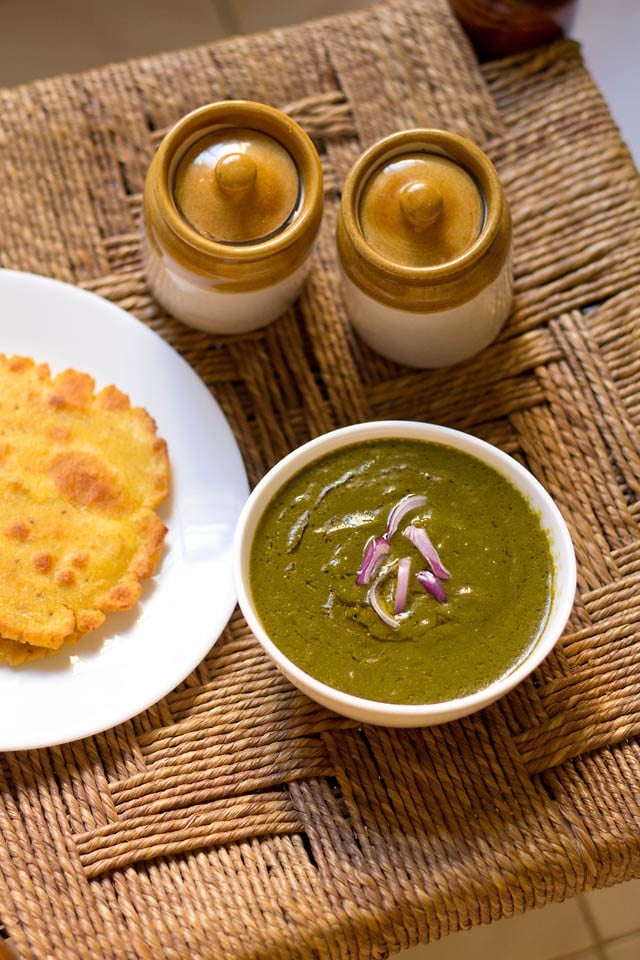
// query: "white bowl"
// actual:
[[394, 714]]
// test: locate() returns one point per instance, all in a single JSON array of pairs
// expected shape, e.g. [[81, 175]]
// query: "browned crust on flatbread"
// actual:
[[81, 473], [16, 652]]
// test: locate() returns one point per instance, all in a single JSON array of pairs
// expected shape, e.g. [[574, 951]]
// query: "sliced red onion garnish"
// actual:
[[372, 597], [432, 585], [419, 539], [402, 586], [411, 502], [376, 550]]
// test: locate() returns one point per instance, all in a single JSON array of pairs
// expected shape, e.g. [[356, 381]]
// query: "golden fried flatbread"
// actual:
[[16, 652], [80, 476]]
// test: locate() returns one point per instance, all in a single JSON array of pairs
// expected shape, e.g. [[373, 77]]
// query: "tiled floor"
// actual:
[[602, 925], [41, 38]]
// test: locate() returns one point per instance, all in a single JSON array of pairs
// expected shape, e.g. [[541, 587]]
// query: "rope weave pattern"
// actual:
[[236, 818]]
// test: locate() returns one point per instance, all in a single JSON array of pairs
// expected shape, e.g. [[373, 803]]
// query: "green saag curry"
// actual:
[[389, 624]]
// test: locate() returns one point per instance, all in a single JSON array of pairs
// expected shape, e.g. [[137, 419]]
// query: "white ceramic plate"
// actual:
[[136, 657]]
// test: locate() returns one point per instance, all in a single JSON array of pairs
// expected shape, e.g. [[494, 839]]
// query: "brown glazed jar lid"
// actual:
[[423, 223], [233, 196], [236, 185], [421, 210]]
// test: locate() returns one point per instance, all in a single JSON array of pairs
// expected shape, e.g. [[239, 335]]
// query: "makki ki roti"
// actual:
[[81, 473]]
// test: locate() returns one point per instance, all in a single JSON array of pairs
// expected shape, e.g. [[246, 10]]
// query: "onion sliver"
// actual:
[[372, 597], [376, 550], [402, 586], [432, 585], [411, 502], [419, 539]]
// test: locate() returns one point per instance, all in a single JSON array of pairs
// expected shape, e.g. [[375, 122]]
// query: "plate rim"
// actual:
[[124, 321]]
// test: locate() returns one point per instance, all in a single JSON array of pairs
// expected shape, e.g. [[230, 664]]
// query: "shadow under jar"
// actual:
[[232, 206], [424, 244]]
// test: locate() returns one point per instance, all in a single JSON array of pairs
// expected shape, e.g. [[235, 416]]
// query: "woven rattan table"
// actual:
[[236, 818]]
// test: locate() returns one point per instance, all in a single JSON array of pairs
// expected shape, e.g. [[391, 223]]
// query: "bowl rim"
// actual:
[[563, 593]]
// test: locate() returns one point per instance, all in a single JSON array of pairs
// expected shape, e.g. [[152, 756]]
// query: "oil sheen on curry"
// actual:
[[402, 571]]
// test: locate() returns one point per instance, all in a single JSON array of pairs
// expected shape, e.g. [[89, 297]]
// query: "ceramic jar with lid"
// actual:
[[232, 206], [424, 245]]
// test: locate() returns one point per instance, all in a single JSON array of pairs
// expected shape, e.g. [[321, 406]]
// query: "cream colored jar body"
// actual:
[[438, 339], [424, 245], [232, 206], [208, 308]]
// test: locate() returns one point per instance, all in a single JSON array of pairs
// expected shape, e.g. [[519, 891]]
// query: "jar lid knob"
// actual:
[[420, 209], [236, 173], [237, 185], [421, 204]]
